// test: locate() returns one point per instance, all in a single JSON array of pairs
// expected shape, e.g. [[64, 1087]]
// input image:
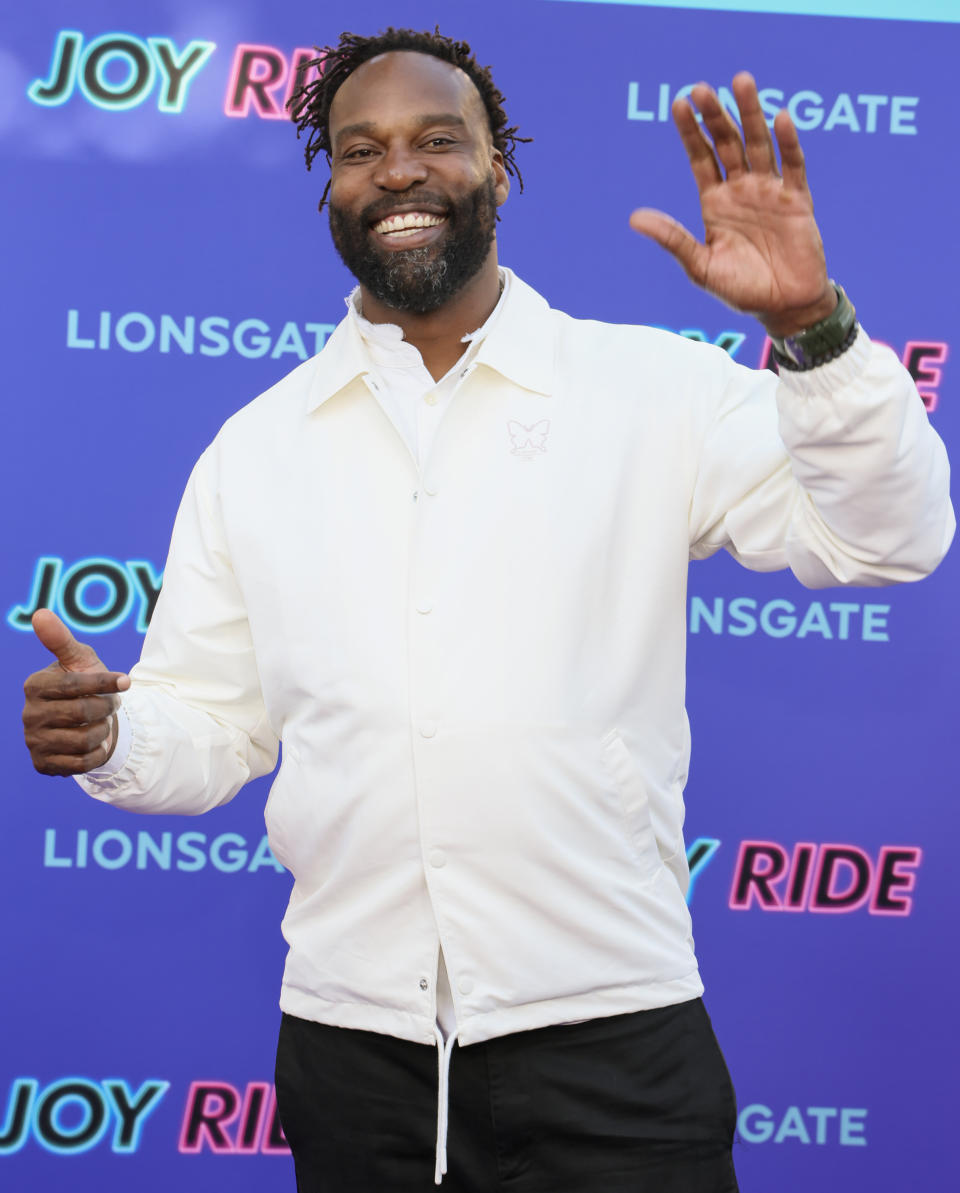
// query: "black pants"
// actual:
[[638, 1103]]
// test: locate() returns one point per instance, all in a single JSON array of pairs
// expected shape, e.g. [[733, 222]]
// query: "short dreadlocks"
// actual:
[[310, 103]]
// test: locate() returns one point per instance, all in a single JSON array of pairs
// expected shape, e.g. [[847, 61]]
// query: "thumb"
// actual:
[[674, 237], [71, 654]]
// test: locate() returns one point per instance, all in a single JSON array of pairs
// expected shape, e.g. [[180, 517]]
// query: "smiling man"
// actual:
[[413, 204], [415, 186], [445, 563]]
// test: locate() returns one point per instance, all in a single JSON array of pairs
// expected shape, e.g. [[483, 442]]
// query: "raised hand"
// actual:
[[68, 716], [762, 252]]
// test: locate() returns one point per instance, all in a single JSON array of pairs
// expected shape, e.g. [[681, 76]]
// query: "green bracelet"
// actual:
[[823, 342]]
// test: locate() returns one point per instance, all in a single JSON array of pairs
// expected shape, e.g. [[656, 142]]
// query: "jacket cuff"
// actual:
[[121, 767], [827, 380]]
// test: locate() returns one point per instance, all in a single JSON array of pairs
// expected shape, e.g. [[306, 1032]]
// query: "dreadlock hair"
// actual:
[[310, 103]]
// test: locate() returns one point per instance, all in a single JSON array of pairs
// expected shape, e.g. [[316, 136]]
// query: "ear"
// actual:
[[501, 179]]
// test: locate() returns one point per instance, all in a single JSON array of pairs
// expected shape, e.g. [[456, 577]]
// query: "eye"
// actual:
[[360, 152], [440, 142]]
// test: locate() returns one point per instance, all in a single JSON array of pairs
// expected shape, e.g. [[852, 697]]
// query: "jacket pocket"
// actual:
[[634, 803]]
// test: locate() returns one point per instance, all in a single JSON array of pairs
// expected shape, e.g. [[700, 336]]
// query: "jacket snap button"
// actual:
[[424, 984], [437, 858], [465, 985], [428, 728]]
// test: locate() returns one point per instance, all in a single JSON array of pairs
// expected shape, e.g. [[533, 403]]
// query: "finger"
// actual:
[[791, 155], [60, 714], [67, 764], [54, 684], [756, 135], [72, 743], [674, 237], [55, 636], [727, 140], [703, 161]]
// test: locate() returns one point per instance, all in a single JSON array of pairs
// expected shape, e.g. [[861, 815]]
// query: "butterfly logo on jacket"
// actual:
[[528, 442]]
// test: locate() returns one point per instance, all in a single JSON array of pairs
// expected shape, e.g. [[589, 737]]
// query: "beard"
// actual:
[[419, 280]]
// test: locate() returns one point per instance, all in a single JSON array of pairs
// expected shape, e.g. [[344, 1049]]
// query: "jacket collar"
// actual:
[[519, 346]]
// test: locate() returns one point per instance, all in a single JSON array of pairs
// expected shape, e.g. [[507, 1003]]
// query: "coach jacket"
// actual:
[[476, 667]]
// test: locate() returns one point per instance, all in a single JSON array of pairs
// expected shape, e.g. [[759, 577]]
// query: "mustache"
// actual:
[[381, 207]]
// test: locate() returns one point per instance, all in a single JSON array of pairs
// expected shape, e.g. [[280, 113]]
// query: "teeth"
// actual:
[[409, 221]]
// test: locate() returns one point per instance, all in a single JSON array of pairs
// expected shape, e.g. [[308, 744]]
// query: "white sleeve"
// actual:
[[841, 478], [121, 748], [199, 728]]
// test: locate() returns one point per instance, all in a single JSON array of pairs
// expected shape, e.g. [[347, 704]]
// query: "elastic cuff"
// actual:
[[121, 751], [828, 379]]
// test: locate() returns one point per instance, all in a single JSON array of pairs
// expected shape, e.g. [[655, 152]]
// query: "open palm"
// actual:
[[761, 252]]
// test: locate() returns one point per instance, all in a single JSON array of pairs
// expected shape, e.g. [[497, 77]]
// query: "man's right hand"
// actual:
[[69, 717]]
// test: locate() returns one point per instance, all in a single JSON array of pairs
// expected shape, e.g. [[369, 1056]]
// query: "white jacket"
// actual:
[[477, 668]]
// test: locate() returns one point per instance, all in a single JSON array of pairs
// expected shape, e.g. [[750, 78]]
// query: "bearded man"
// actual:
[[445, 562]]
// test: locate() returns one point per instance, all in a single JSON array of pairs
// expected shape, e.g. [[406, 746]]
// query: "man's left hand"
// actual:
[[762, 252]]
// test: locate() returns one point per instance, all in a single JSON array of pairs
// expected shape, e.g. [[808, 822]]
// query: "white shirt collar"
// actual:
[[522, 346], [385, 342]]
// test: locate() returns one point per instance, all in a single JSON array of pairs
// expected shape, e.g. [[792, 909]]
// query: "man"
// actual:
[[445, 562]]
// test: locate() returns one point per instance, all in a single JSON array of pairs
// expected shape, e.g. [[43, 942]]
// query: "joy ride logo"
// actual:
[[75, 1114], [812, 877], [118, 71]]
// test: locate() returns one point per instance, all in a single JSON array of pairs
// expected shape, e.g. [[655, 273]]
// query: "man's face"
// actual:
[[415, 180]]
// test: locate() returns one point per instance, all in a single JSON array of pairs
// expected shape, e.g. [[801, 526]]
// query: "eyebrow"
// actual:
[[369, 127]]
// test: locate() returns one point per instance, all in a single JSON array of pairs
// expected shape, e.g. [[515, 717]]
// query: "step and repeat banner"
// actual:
[[164, 262]]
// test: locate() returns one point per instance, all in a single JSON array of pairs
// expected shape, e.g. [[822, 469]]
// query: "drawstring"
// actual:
[[444, 1052]]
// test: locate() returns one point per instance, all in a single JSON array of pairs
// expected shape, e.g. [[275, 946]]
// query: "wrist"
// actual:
[[820, 342], [791, 323]]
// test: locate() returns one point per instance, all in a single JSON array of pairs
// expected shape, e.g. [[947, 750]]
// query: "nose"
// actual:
[[399, 168]]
